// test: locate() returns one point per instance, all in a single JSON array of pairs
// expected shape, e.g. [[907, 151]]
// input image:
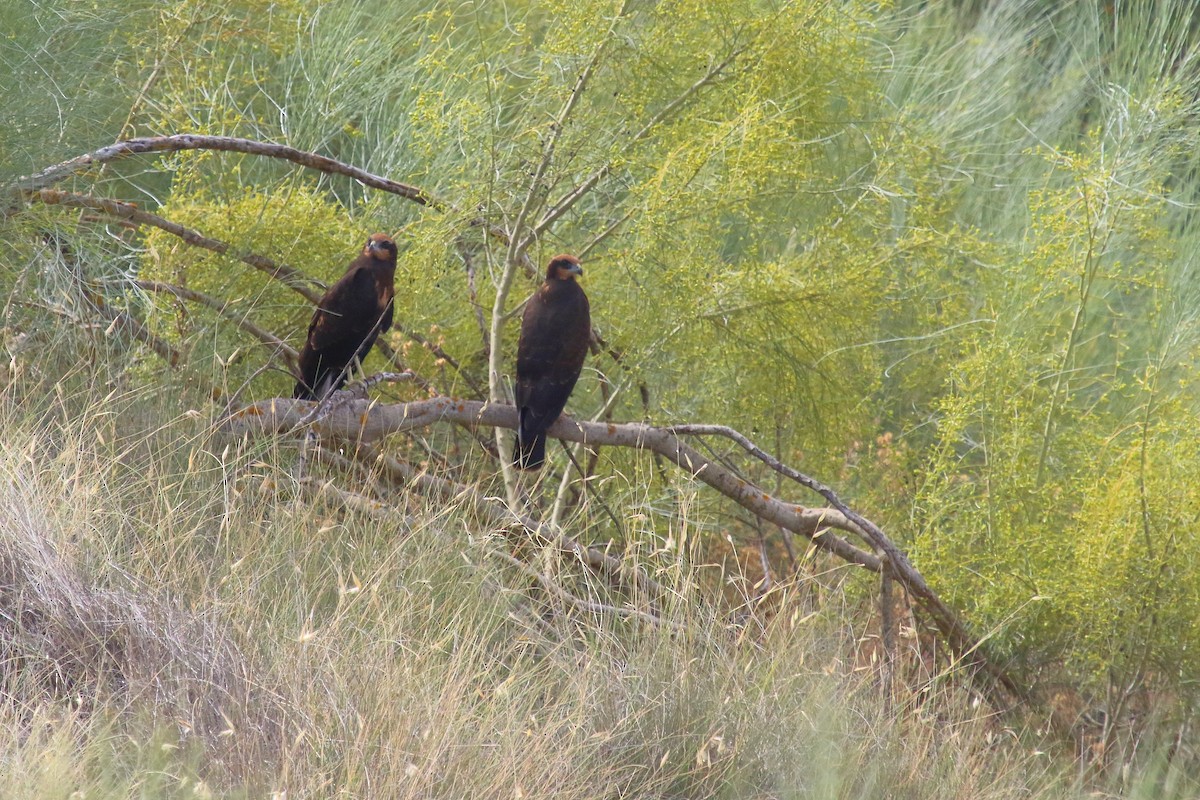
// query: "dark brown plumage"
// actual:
[[348, 319], [555, 331]]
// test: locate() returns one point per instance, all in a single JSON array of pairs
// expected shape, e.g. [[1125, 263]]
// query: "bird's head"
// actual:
[[380, 247], [564, 268]]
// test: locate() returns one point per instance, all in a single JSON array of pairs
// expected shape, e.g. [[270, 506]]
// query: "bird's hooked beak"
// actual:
[[573, 269], [377, 250]]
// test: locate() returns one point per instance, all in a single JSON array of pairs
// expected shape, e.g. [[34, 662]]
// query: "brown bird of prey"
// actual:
[[554, 339], [348, 319]]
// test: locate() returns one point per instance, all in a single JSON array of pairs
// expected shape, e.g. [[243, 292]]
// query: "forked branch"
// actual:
[[360, 420], [572, 197]]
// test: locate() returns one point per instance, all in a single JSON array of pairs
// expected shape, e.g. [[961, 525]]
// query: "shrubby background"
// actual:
[[939, 254]]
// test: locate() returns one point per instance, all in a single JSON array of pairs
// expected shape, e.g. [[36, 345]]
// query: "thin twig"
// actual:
[[473, 299], [560, 497], [575, 195], [222, 308], [122, 320]]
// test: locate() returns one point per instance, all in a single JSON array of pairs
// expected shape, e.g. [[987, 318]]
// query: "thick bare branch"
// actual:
[[364, 421], [896, 560]]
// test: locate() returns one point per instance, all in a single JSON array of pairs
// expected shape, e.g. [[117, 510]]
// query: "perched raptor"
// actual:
[[554, 340], [348, 319]]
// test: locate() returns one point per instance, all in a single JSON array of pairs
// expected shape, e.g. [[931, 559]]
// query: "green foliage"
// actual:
[[67, 69], [251, 222], [1052, 502], [940, 253], [724, 212]]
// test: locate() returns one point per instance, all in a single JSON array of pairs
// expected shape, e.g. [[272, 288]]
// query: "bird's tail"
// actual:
[[320, 387], [531, 452]]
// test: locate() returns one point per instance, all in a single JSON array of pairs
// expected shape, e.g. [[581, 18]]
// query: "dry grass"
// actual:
[[181, 620]]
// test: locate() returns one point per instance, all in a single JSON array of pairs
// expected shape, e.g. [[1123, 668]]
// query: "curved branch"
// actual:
[[897, 562], [190, 141]]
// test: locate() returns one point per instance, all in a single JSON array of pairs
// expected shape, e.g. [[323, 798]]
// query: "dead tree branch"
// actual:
[[189, 141], [370, 459], [186, 141], [365, 422], [946, 620], [554, 590]]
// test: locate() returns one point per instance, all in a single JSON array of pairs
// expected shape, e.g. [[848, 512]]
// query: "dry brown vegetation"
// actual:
[[184, 618]]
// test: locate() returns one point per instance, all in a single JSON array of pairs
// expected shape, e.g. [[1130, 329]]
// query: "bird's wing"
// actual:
[[386, 322], [339, 314]]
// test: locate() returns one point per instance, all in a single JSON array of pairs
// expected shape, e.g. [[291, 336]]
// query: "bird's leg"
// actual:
[[352, 391], [344, 397]]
